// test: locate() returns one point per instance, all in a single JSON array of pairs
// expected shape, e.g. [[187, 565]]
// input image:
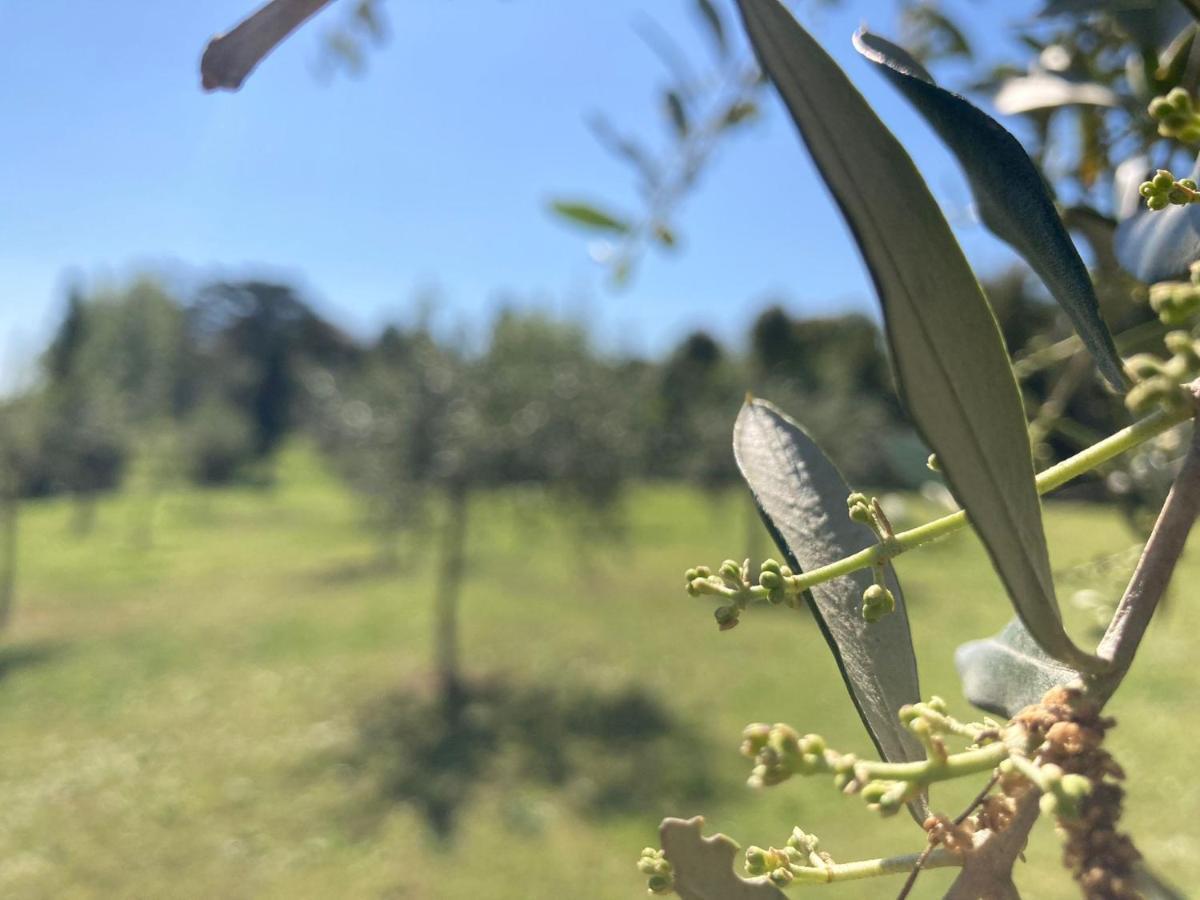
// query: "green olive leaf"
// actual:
[[703, 866], [952, 369], [589, 216], [1010, 192], [1006, 673], [802, 498]]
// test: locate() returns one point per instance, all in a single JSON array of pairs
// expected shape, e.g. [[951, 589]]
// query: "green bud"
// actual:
[[1146, 189], [661, 885], [812, 744], [703, 572], [1075, 786], [877, 603], [691, 575], [754, 738], [730, 569], [856, 499], [771, 580], [770, 565], [802, 841], [1163, 180], [933, 464], [756, 861], [781, 877], [1159, 107], [1180, 99], [727, 617], [1188, 182], [938, 705]]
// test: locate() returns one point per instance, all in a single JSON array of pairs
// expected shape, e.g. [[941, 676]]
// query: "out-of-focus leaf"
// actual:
[[952, 369], [589, 216], [936, 35], [739, 112], [802, 498], [1153, 245], [1006, 673], [1010, 192], [716, 24], [678, 113], [703, 866], [665, 236], [1042, 90]]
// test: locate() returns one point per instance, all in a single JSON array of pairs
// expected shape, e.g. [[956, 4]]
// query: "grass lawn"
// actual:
[[230, 712]]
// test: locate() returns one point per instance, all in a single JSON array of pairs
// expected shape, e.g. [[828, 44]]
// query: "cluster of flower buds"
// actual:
[[1160, 382], [1176, 117], [660, 878], [773, 576], [779, 752], [1164, 190], [782, 866], [732, 582], [1177, 302]]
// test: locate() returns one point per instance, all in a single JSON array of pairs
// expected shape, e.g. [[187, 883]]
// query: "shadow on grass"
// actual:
[[606, 752], [14, 657]]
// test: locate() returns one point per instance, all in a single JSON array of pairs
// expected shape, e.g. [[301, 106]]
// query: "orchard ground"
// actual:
[[208, 716]]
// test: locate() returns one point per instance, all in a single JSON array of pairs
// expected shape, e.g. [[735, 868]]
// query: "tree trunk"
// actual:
[[9, 512], [448, 591]]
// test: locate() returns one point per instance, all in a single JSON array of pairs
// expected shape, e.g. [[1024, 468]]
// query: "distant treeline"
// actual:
[[137, 382]]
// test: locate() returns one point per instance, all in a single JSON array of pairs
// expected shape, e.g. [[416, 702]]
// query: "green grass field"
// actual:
[[209, 717]]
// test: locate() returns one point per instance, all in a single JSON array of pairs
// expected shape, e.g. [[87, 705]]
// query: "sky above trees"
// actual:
[[431, 171]]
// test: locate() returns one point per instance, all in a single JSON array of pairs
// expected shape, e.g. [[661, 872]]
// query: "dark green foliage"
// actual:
[[953, 373], [1012, 196]]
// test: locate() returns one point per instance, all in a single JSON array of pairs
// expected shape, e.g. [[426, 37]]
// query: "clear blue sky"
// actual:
[[432, 169]]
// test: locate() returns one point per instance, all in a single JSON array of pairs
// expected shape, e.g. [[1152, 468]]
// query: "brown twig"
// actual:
[[1153, 573], [958, 820]]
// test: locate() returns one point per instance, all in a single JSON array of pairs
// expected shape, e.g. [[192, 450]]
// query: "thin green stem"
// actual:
[[929, 771], [1050, 479], [873, 868]]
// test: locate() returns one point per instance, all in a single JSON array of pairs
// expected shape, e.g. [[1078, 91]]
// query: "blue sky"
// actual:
[[431, 170]]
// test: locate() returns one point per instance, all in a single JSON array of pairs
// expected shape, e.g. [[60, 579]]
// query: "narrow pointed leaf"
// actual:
[[1010, 193], [1153, 245], [590, 216], [703, 866], [802, 498], [951, 365], [1006, 673]]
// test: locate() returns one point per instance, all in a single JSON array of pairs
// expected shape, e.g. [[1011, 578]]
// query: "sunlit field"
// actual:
[[237, 708]]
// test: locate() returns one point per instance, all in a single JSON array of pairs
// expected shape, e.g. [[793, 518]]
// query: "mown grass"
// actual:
[[232, 711]]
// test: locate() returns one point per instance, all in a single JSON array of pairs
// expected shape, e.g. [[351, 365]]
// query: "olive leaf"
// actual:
[[952, 369], [802, 498], [703, 866], [1006, 673], [1010, 192], [589, 216], [1042, 90]]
